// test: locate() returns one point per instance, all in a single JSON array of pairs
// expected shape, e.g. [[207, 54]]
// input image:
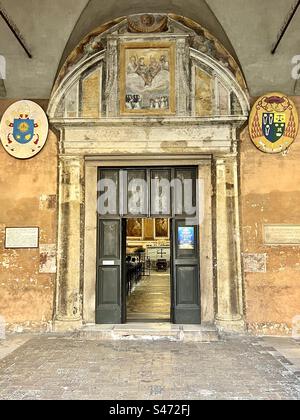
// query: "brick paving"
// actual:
[[57, 367]]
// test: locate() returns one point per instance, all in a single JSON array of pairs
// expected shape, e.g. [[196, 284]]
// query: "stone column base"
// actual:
[[64, 325], [234, 324]]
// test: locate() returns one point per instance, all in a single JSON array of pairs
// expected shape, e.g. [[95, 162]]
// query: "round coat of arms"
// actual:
[[273, 123], [24, 129]]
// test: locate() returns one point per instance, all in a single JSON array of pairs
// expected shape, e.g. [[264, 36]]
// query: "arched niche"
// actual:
[[208, 81]]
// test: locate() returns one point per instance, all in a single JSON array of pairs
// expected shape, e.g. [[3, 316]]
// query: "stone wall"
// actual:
[[270, 194], [28, 198]]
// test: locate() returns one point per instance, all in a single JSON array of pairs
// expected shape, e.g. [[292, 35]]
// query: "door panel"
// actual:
[[137, 193], [110, 239], [160, 192], [186, 284], [123, 272], [109, 192], [109, 279], [185, 192], [110, 285], [187, 293]]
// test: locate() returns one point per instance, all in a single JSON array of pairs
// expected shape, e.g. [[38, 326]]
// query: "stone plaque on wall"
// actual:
[[282, 234], [255, 263], [21, 238]]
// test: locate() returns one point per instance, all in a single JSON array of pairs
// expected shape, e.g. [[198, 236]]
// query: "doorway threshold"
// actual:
[[147, 321], [150, 331]]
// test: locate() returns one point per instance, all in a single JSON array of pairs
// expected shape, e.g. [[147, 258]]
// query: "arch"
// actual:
[[193, 120], [97, 12], [205, 52]]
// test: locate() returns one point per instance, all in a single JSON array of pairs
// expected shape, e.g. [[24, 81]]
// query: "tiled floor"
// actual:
[[53, 367], [150, 299], [286, 350], [12, 343]]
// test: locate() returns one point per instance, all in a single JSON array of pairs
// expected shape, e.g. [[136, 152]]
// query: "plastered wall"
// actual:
[[28, 196], [270, 194]]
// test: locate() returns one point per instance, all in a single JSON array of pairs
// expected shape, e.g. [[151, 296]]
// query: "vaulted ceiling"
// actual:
[[51, 29]]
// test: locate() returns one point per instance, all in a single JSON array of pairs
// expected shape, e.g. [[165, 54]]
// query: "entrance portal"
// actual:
[[148, 226], [148, 270]]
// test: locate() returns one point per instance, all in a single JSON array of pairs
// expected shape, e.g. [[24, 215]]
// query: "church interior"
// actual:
[[147, 270]]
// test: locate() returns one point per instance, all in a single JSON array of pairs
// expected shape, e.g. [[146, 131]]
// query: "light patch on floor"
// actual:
[[150, 299], [12, 343]]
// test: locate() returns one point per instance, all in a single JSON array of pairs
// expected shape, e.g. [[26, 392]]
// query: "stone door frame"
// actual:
[[205, 252], [104, 136], [221, 273]]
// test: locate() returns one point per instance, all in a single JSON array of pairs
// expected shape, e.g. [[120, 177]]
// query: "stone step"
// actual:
[[150, 331]]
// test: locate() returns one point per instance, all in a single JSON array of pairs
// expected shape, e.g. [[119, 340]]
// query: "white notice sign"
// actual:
[[108, 262], [21, 238], [282, 234]]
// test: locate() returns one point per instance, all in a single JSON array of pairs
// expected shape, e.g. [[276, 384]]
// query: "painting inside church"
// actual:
[[162, 229], [135, 228], [148, 229], [147, 78]]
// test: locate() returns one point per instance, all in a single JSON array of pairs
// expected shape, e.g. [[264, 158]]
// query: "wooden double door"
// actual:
[[157, 193]]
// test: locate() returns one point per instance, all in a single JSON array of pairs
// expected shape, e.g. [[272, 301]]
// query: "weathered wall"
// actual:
[[28, 198], [270, 194]]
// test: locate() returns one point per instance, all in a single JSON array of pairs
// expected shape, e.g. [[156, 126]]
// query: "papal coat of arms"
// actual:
[[273, 123], [24, 129]]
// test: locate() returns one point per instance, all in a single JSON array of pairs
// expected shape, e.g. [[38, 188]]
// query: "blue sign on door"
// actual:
[[186, 237]]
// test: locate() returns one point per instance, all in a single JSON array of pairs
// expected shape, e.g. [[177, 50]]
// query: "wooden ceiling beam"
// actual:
[[285, 25], [15, 30]]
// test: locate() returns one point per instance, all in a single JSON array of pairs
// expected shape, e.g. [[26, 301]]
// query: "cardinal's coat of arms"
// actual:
[[273, 123]]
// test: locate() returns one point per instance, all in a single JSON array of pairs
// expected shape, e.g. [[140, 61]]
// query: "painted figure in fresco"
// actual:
[[141, 67], [148, 72], [148, 78], [133, 101], [164, 63], [154, 68], [160, 102], [132, 65]]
